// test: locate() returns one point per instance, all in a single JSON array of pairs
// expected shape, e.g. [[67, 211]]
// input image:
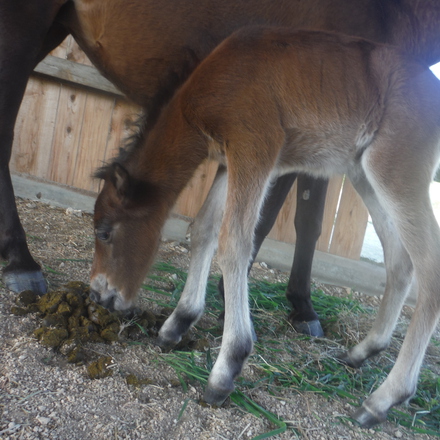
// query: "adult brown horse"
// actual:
[[266, 102], [148, 48]]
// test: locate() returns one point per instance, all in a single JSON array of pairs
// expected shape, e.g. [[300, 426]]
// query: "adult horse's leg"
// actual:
[[23, 31], [308, 224]]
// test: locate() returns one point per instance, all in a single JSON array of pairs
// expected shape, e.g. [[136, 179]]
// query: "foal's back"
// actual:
[[325, 94]]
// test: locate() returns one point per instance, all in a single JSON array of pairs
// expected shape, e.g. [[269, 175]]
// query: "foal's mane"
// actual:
[[139, 134]]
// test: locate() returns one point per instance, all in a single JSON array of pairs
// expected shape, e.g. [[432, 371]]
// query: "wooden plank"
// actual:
[[93, 141], [74, 53], [193, 196], [67, 134], [61, 50], [350, 226], [284, 227], [75, 73], [34, 129], [331, 205]]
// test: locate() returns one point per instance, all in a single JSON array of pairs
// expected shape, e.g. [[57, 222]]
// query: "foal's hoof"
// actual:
[[165, 344], [344, 358], [216, 397], [20, 281], [367, 418], [310, 328]]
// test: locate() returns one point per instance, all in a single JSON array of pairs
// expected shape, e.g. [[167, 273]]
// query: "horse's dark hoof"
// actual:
[[344, 358], [216, 397], [368, 419], [20, 281], [311, 328]]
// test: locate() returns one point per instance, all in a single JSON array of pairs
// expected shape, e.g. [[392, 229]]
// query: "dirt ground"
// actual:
[[44, 397]]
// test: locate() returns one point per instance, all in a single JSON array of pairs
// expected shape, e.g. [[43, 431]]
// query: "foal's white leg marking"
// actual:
[[399, 271], [204, 235], [247, 187], [406, 196]]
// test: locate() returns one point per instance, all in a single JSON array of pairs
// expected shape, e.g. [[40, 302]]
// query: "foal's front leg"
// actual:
[[246, 190], [203, 245]]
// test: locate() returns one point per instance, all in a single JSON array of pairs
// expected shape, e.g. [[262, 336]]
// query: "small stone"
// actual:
[[74, 212], [398, 434], [43, 420]]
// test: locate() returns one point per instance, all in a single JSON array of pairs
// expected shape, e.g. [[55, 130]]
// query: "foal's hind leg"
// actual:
[[404, 189], [203, 245], [23, 29], [399, 272]]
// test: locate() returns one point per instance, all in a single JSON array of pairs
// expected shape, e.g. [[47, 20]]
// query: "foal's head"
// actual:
[[129, 215]]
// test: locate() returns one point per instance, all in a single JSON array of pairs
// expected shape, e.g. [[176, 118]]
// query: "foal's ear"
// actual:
[[121, 180]]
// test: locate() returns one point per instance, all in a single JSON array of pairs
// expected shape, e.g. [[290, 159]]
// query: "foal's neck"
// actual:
[[170, 153]]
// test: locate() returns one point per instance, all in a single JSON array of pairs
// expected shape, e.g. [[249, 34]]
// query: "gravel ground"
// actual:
[[44, 397]]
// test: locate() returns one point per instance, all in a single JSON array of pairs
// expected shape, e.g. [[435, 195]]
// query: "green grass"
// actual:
[[308, 366], [48, 269]]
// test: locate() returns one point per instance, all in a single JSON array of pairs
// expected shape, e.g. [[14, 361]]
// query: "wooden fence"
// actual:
[[72, 120]]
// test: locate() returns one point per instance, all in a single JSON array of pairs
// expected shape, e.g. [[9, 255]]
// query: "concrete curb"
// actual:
[[362, 276]]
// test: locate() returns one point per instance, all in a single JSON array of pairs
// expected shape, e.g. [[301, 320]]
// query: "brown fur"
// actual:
[[266, 102], [176, 36]]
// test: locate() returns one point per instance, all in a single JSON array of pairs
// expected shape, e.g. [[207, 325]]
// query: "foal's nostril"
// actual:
[[94, 296], [109, 304]]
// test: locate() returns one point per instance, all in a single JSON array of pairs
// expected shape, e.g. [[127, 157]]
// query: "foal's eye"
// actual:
[[102, 235]]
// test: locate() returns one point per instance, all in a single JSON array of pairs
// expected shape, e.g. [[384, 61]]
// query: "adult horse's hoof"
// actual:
[[20, 281], [310, 328], [367, 418]]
